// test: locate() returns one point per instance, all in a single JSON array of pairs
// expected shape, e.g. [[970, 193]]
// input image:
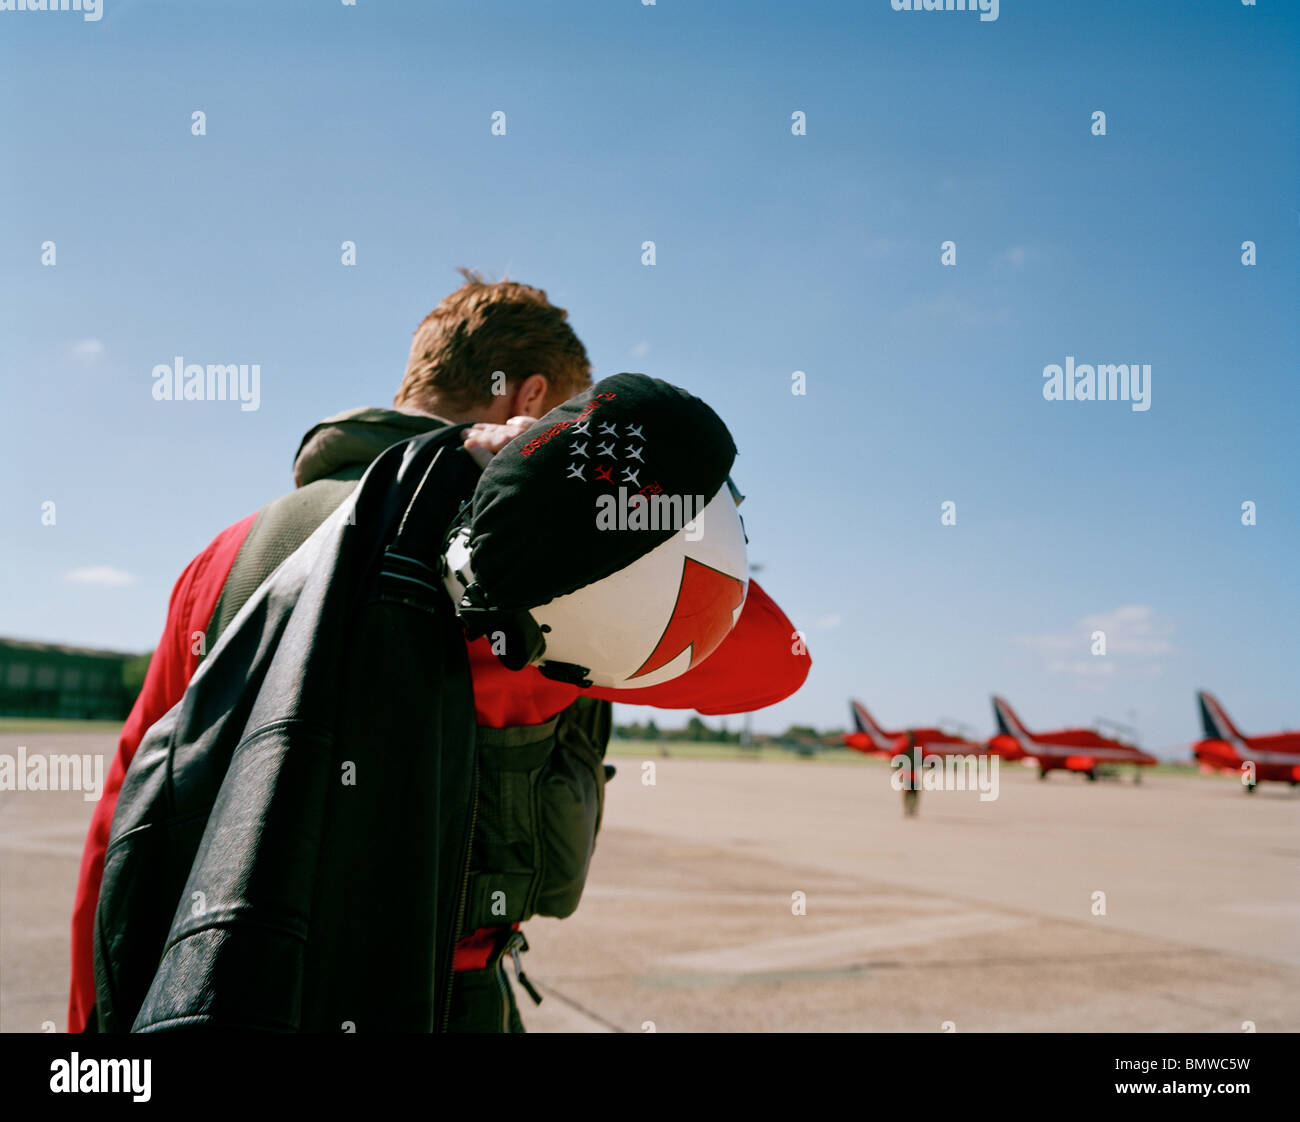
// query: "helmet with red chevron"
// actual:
[[604, 544]]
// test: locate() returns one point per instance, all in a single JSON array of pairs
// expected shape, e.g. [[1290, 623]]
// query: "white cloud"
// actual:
[[640, 350], [87, 349], [100, 575], [1133, 634], [1131, 630], [1082, 668]]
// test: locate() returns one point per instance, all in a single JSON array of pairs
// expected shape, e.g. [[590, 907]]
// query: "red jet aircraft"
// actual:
[[1062, 750], [1275, 757], [870, 738]]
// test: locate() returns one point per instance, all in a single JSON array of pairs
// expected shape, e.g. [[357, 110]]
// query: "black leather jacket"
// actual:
[[293, 836]]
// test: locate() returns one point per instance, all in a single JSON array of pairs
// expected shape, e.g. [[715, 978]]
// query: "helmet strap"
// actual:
[[568, 672], [523, 639]]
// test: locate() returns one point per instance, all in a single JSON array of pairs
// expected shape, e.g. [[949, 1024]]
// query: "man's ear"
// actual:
[[530, 396]]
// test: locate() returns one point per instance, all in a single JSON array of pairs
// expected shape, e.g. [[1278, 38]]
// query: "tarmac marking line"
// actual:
[[792, 952]]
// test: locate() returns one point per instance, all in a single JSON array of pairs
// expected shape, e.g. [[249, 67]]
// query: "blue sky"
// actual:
[[775, 253]]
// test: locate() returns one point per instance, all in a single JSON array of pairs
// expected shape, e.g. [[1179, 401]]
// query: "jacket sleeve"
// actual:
[[762, 660], [174, 662]]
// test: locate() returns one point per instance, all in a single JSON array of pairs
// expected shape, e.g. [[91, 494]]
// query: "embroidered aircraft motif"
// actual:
[[575, 472], [603, 473], [629, 476], [607, 449], [609, 428], [635, 453], [579, 449], [582, 428], [635, 430]]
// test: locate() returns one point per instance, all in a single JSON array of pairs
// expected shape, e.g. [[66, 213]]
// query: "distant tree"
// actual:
[[634, 731], [651, 730], [133, 672]]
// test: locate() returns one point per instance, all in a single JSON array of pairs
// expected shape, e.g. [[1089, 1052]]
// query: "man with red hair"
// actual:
[[494, 356]]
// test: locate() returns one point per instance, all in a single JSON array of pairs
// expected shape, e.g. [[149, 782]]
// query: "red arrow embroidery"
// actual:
[[706, 600]]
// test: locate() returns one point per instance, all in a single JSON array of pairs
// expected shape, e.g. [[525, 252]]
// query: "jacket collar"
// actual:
[[349, 441]]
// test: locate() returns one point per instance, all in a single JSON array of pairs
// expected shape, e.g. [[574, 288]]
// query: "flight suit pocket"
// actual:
[[505, 855], [570, 800], [541, 799]]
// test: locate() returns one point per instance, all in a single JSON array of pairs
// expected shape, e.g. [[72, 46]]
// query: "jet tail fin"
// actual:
[[1008, 723], [1214, 720], [865, 723]]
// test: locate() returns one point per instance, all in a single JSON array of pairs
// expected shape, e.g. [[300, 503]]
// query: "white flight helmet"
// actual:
[[650, 621]]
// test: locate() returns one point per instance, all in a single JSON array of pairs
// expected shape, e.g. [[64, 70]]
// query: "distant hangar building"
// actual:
[[52, 680]]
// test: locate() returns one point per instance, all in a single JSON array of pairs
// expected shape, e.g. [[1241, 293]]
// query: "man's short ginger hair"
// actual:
[[489, 326]]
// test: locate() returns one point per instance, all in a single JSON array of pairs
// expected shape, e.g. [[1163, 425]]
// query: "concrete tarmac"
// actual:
[[742, 896], [971, 917]]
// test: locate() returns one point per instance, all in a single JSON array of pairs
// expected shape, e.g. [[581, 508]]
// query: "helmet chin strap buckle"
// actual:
[[516, 639], [568, 672], [522, 642]]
